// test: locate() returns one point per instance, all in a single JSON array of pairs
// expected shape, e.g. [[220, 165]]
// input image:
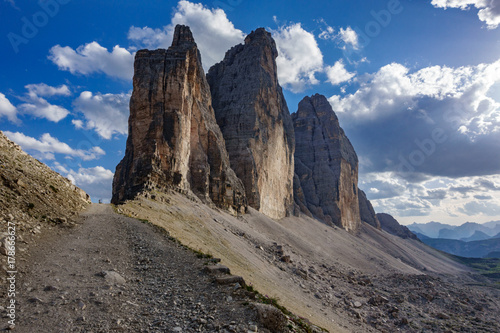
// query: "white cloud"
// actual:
[[447, 200], [47, 146], [40, 107], [480, 208], [394, 90], [149, 38], [346, 36], [96, 181], [77, 123], [7, 109], [45, 90], [93, 58], [107, 114], [349, 37], [328, 32], [299, 57], [489, 10], [337, 73], [212, 31]]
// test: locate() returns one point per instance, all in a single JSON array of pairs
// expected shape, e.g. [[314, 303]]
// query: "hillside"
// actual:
[[339, 281], [34, 201], [32, 195]]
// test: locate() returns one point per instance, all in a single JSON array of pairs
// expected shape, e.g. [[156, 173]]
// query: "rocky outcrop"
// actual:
[[254, 119], [366, 211], [392, 226], [326, 165], [174, 140], [32, 196]]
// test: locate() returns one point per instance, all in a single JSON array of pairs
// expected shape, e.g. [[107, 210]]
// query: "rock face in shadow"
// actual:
[[254, 119], [174, 140], [366, 211], [326, 166], [392, 226]]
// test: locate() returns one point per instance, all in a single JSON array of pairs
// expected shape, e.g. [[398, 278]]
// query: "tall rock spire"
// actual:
[[174, 140], [255, 122], [326, 166]]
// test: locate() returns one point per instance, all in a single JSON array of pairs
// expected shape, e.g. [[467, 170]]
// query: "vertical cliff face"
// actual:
[[366, 211], [254, 119], [174, 140], [326, 166]]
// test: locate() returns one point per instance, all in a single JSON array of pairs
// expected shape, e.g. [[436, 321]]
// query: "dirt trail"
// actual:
[[61, 288]]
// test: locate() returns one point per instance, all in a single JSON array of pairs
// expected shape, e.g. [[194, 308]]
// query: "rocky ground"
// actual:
[[113, 273], [371, 282], [32, 195]]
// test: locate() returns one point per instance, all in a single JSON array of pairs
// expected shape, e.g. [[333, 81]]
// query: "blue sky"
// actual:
[[416, 85]]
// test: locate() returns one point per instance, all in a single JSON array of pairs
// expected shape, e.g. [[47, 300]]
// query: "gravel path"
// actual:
[[73, 282]]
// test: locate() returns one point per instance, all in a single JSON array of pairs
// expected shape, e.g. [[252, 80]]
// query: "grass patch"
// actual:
[[487, 267], [481, 265]]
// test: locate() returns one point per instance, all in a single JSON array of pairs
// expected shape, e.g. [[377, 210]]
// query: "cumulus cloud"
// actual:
[[96, 181], [450, 200], [107, 114], [45, 90], [337, 73], [48, 146], [437, 120], [7, 109], [211, 29], [93, 58], [480, 208], [299, 57], [393, 89], [149, 38], [349, 37], [77, 123], [489, 10], [40, 107]]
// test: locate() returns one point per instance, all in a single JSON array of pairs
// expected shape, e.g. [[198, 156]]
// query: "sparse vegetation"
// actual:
[[488, 267], [54, 189], [31, 205]]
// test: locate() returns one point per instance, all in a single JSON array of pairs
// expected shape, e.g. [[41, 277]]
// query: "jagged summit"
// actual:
[[262, 38], [182, 35], [254, 119], [174, 140]]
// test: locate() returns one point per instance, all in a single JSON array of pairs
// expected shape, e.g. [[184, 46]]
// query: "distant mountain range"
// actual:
[[468, 231], [467, 240], [489, 248]]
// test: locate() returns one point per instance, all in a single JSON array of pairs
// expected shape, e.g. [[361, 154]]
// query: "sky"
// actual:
[[415, 84]]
